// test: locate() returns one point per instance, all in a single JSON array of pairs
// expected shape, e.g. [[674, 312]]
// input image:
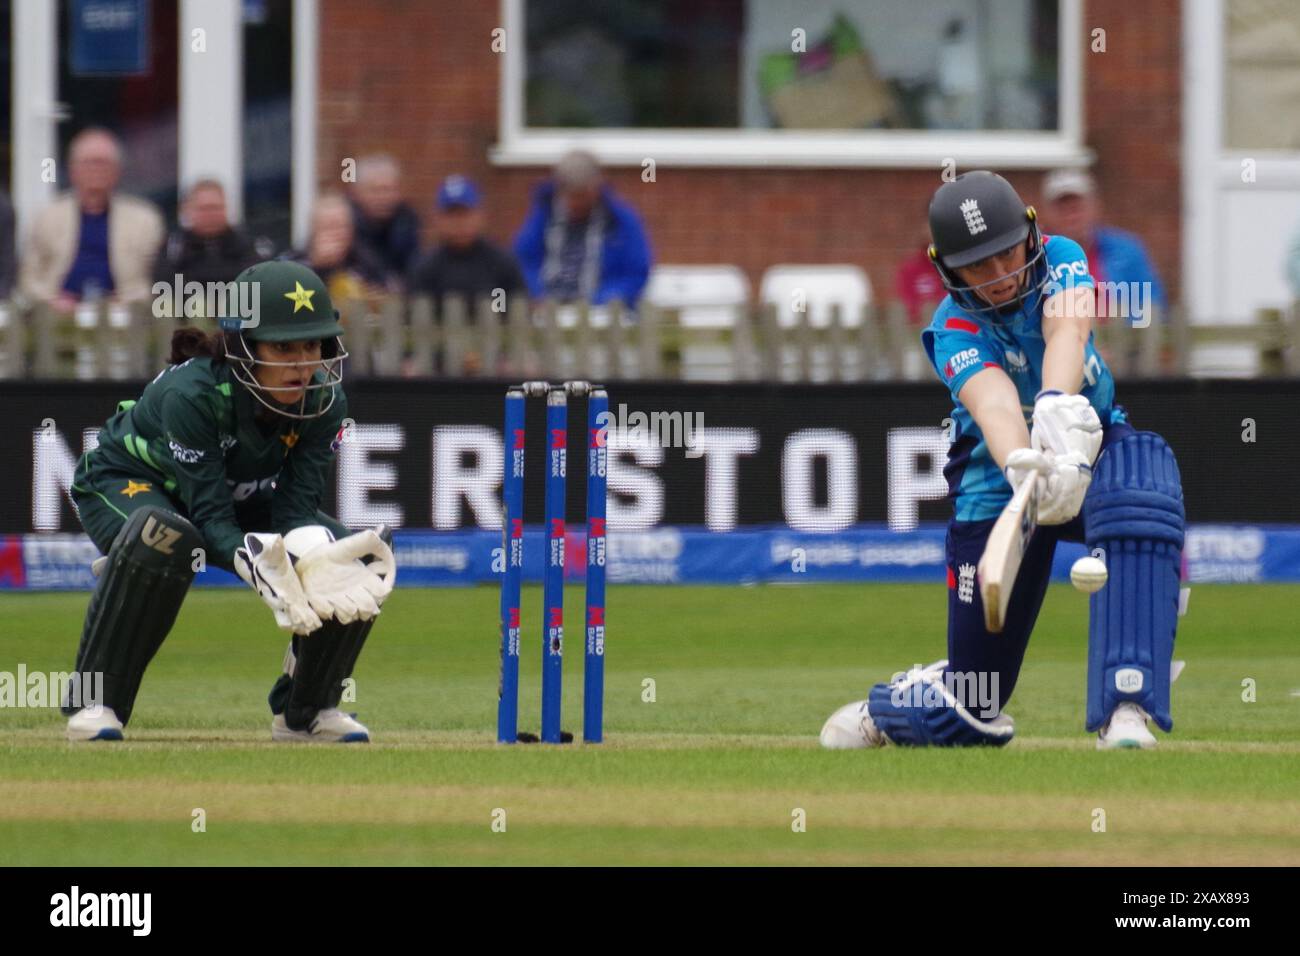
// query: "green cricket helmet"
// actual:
[[282, 301]]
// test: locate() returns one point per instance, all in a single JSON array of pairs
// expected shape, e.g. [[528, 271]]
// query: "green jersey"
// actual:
[[195, 432]]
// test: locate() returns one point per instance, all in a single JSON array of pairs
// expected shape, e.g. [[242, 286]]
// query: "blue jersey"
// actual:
[[960, 344]]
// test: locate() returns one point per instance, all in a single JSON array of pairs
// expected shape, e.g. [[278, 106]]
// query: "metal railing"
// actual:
[[394, 337]]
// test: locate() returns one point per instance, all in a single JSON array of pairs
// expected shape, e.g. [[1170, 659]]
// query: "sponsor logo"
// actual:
[[646, 556], [1076, 268], [242, 490], [158, 536], [1128, 680], [448, 558], [1017, 361], [185, 455], [1225, 553], [966, 583], [970, 211], [845, 553], [960, 362]]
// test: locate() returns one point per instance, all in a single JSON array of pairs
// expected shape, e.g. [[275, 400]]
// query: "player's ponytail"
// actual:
[[190, 342]]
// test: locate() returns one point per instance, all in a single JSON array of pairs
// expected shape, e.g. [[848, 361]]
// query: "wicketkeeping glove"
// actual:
[[338, 584], [264, 564]]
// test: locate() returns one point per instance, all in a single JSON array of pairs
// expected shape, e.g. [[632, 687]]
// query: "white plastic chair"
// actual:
[[705, 296], [804, 295], [819, 287], [706, 299]]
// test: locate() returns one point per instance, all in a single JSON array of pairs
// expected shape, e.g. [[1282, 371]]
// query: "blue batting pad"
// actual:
[[1134, 513]]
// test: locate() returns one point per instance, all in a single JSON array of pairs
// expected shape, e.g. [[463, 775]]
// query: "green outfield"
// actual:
[[722, 766]]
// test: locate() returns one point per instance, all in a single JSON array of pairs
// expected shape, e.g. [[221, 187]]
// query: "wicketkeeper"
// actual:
[[1012, 341], [223, 460]]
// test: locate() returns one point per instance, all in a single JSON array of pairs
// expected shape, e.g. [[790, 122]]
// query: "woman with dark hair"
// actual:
[[223, 460]]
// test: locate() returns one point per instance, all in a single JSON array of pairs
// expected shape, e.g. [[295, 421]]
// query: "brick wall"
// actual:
[[418, 79]]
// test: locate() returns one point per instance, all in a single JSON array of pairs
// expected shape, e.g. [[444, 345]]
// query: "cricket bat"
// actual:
[[1000, 562]]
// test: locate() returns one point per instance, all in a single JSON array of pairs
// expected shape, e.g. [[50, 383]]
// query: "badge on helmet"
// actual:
[[973, 217]]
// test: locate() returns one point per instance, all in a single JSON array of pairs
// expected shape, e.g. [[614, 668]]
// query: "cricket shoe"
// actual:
[[1126, 729], [330, 726], [94, 723], [851, 728]]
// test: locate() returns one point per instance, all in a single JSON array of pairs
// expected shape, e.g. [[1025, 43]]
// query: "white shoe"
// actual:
[[94, 723], [329, 726], [1126, 729], [851, 728]]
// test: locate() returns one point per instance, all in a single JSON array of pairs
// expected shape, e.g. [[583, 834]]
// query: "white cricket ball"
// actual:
[[1088, 574]]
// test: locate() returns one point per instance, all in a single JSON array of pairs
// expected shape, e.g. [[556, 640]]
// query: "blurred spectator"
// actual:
[[1114, 255], [917, 283], [349, 270], [205, 247], [8, 264], [1293, 265], [388, 227], [92, 240], [464, 262], [580, 241]]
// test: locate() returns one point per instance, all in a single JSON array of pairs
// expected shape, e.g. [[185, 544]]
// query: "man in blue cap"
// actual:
[[463, 263]]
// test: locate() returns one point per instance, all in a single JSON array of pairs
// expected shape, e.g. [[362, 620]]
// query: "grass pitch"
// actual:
[[714, 697]]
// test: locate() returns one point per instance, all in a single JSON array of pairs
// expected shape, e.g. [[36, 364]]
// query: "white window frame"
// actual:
[[305, 103], [210, 99], [519, 146], [34, 107]]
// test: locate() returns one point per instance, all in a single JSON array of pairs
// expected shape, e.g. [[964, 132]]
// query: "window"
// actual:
[[833, 82], [1261, 74], [268, 121], [139, 105]]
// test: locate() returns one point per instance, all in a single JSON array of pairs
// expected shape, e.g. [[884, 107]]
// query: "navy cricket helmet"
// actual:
[[978, 215]]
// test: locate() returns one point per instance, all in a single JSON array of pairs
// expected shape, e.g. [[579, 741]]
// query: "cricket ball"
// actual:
[[1088, 574]]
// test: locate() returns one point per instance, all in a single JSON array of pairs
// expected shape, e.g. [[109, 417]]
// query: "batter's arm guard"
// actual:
[[1134, 513]]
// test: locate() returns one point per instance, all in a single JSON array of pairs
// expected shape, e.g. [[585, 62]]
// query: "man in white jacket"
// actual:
[[91, 241]]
